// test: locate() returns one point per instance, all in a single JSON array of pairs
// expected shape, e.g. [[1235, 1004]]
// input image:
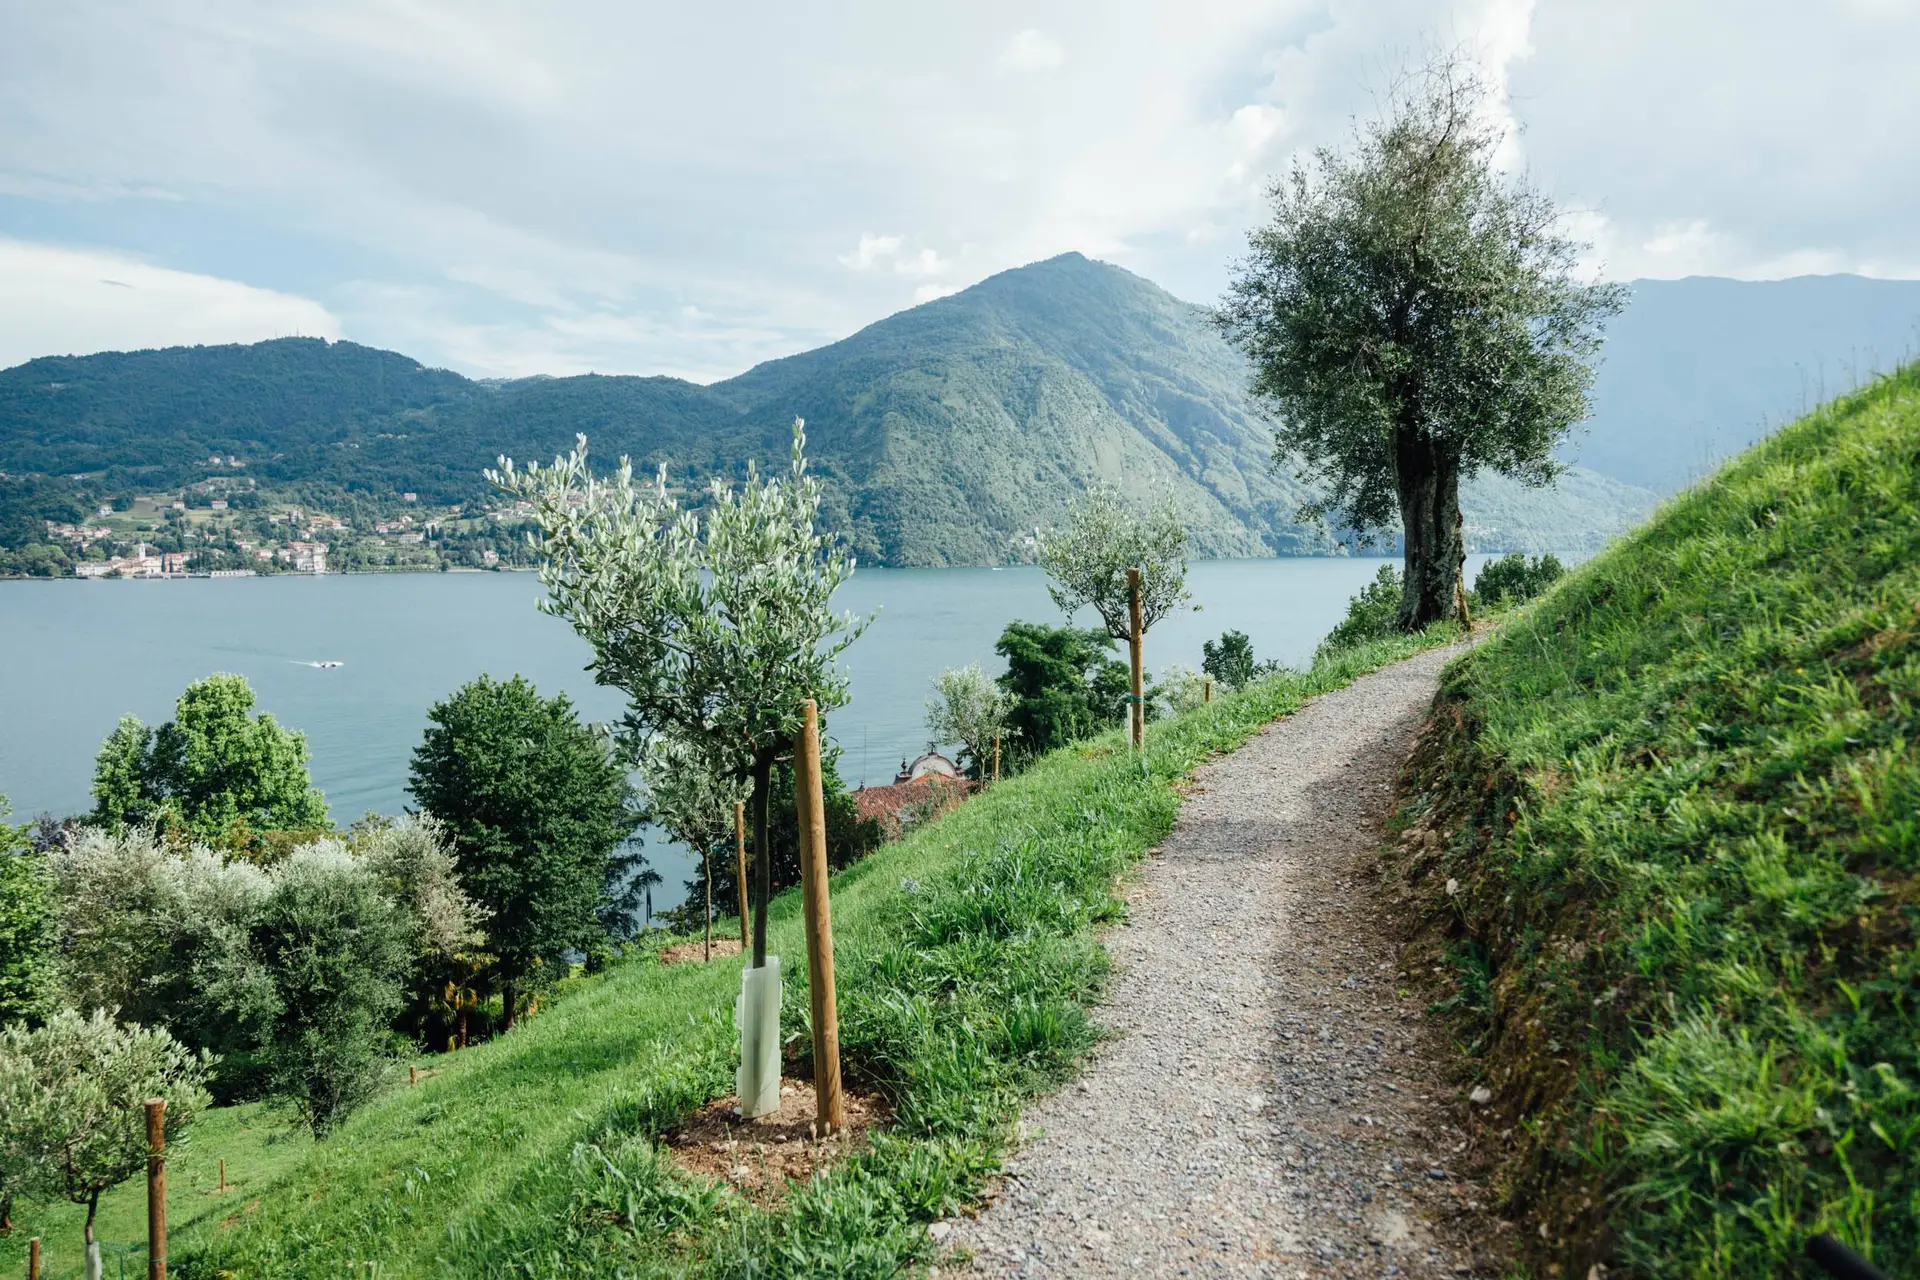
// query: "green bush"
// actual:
[[1514, 579], [1371, 616]]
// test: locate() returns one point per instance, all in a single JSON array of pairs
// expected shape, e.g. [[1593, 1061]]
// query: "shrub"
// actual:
[[1372, 615], [335, 951], [71, 1092], [1513, 579], [1063, 684], [26, 926]]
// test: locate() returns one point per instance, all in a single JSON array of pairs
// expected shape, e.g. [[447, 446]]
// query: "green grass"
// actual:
[[1681, 796], [966, 963]]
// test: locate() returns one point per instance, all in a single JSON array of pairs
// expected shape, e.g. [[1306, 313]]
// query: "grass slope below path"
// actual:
[[1678, 800], [966, 963]]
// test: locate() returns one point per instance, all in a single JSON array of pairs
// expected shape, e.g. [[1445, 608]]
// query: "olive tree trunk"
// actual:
[[1427, 474]]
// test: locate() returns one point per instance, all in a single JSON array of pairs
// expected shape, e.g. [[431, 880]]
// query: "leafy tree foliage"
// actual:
[[335, 951], [692, 798], [227, 955], [1062, 683], [215, 768], [539, 811], [72, 1121], [1371, 615], [716, 625], [27, 925], [1229, 659], [968, 707], [1514, 578], [1413, 316], [1087, 561]]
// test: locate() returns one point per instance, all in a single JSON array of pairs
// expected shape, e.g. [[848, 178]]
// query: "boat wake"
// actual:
[[329, 663]]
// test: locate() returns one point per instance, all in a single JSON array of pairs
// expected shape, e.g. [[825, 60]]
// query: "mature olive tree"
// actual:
[[1413, 316], [715, 624]]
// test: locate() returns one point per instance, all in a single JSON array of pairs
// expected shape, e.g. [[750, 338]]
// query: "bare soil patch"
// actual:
[[696, 952], [762, 1155]]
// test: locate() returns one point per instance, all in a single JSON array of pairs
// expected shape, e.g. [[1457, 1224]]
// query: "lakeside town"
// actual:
[[226, 527]]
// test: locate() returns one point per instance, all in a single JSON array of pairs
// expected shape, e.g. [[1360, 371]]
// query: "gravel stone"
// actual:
[[1273, 1102]]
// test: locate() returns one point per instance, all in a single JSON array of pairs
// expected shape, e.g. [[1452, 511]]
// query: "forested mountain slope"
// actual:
[[946, 432]]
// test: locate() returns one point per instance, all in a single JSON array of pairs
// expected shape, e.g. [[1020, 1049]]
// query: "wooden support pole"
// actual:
[[33, 1259], [156, 1189], [830, 1107], [996, 757], [740, 864], [223, 1173], [1206, 690], [413, 1074], [1138, 703]]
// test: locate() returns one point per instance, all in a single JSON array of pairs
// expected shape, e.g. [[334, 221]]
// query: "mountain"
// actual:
[[944, 433], [1696, 370]]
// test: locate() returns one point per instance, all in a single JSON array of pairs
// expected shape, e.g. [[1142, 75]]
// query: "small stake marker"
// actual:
[[740, 864], [156, 1189], [1137, 702], [413, 1074], [33, 1259], [830, 1105], [223, 1173], [996, 757], [1206, 690]]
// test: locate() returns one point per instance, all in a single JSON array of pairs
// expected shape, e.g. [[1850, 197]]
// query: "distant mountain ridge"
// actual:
[[944, 433]]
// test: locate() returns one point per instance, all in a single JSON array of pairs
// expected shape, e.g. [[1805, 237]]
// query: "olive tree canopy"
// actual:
[[1413, 316], [715, 624], [969, 707], [1087, 561]]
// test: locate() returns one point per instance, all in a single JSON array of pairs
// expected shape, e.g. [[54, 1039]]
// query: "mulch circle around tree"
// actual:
[[696, 952], [758, 1157]]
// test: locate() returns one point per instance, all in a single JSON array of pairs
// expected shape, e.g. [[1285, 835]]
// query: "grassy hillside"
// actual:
[[944, 433], [1667, 830], [966, 962]]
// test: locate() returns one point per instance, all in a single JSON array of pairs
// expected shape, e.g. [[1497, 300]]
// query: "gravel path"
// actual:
[[1274, 1105]]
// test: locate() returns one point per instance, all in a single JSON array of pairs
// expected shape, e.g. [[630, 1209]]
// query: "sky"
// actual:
[[629, 186]]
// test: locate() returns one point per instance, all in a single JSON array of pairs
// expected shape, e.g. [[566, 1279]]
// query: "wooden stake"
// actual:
[[830, 1107], [223, 1173], [33, 1259], [413, 1074], [1206, 690], [156, 1189], [740, 864], [1133, 645], [706, 865], [996, 757]]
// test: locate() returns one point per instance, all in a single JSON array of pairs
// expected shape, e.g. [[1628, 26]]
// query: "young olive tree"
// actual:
[[969, 707], [72, 1120], [691, 796], [1413, 316], [1088, 563], [715, 624]]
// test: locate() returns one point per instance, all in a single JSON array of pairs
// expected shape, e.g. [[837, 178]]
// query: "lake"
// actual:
[[76, 656]]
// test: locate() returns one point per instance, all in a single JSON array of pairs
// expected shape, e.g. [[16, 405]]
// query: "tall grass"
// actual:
[[967, 963], [1682, 800]]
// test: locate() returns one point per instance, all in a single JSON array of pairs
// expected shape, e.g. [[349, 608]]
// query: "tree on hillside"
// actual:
[[538, 808], [1088, 560], [215, 767], [1229, 659], [1413, 316], [27, 925], [691, 796], [968, 707], [715, 625], [1062, 683], [71, 1105]]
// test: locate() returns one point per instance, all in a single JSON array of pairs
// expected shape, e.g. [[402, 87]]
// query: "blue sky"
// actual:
[[517, 188]]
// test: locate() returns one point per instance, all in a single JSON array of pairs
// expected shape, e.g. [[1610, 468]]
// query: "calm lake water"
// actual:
[[76, 656]]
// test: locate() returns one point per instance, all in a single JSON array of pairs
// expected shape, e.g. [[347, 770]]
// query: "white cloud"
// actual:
[[58, 301], [870, 250], [1030, 50]]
